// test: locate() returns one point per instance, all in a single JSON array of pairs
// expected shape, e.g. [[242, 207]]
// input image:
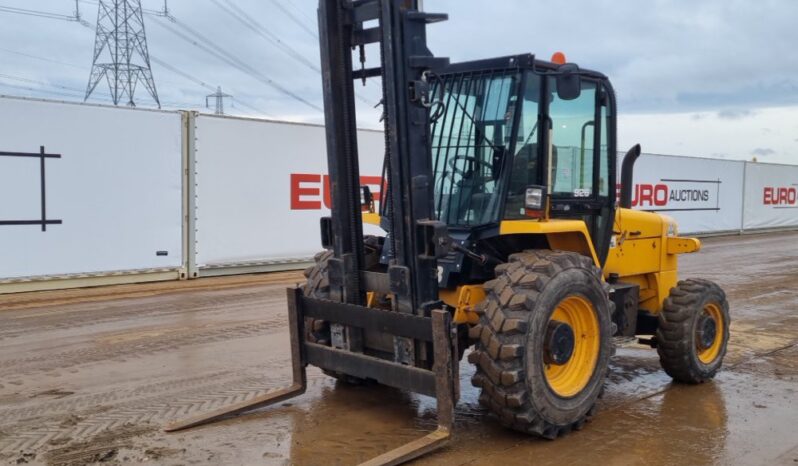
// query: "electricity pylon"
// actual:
[[120, 52], [219, 96]]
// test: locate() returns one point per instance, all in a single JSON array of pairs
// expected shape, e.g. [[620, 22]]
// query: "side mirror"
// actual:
[[569, 82]]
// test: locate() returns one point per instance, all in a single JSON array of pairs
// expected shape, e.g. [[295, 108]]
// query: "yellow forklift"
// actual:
[[502, 233]]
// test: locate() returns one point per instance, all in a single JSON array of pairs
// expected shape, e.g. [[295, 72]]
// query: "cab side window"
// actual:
[[573, 136], [604, 155], [525, 166]]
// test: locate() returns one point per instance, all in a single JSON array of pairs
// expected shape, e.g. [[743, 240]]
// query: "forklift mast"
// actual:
[[414, 240]]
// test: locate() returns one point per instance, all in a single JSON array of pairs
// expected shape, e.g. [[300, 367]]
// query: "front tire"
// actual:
[[317, 285], [693, 331], [544, 342]]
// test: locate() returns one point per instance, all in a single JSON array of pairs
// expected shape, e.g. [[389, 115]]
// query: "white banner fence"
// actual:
[[771, 196], [95, 194], [703, 195]]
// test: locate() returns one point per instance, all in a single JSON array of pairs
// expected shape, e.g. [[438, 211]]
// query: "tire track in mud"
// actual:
[[101, 448], [35, 426], [104, 313], [148, 409], [73, 404], [135, 349]]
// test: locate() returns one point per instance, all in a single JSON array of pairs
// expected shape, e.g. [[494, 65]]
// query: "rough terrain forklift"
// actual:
[[502, 233]]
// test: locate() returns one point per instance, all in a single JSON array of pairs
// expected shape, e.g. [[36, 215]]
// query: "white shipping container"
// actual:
[[113, 196], [261, 188]]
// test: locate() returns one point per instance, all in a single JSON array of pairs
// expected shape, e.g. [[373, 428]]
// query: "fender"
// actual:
[[566, 235]]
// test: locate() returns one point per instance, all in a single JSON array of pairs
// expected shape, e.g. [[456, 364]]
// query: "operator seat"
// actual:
[[524, 169]]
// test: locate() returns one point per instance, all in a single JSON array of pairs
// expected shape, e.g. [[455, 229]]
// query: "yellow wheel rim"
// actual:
[[709, 354], [569, 379]]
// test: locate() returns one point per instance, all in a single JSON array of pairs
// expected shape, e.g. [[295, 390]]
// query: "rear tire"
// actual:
[[690, 348], [520, 383]]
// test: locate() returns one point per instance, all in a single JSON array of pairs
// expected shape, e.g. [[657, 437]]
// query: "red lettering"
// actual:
[[306, 194], [327, 196], [364, 180], [646, 194], [298, 191], [780, 196], [650, 195], [660, 195], [783, 194], [768, 196]]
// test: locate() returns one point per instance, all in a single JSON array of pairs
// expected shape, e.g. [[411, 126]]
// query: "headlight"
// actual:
[[534, 198], [673, 230]]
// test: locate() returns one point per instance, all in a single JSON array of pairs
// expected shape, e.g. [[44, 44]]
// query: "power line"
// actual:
[[201, 83], [80, 67], [302, 12], [294, 18], [88, 26], [220, 53], [37, 13], [62, 87], [228, 58], [36, 57], [44, 83], [240, 15], [35, 81], [181, 73], [163, 13], [66, 91], [196, 80], [44, 91]]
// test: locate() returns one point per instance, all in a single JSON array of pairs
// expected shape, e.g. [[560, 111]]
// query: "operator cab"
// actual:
[[506, 127]]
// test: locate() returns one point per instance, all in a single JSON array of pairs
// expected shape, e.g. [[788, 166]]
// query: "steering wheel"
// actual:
[[467, 158]]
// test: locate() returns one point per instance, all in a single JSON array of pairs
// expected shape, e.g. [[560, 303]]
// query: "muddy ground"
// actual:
[[89, 378]]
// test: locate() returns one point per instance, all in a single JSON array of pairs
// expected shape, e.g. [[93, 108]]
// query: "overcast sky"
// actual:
[[715, 78]]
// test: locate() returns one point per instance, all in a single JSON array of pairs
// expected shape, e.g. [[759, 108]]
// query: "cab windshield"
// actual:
[[484, 125], [471, 134]]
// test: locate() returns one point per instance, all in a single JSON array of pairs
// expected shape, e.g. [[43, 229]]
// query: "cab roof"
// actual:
[[525, 61]]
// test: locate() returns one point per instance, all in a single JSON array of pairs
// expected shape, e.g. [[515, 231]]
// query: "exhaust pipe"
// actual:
[[627, 172]]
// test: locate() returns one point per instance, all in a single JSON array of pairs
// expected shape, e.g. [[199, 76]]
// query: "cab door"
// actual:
[[582, 162]]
